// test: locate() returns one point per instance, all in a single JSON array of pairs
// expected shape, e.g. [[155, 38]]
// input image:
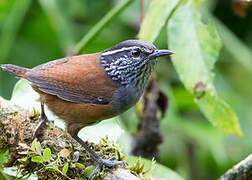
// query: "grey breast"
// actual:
[[124, 98]]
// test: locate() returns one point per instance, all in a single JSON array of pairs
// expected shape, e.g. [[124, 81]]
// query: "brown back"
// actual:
[[77, 79]]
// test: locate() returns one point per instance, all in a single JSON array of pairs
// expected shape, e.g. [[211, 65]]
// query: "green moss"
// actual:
[[139, 170], [80, 166]]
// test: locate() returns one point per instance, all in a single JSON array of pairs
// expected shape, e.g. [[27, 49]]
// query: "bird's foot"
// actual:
[[43, 120], [106, 162]]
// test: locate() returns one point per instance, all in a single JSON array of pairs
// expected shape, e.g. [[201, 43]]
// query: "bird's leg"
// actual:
[[98, 159], [43, 120]]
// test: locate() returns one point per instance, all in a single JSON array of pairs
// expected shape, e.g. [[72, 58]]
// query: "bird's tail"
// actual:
[[15, 70]]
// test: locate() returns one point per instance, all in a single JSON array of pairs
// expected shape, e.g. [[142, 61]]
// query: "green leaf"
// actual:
[[158, 171], [4, 156], [88, 171], [196, 48], [52, 168], [38, 147], [33, 144], [158, 13], [47, 154], [65, 169], [80, 166], [37, 159]]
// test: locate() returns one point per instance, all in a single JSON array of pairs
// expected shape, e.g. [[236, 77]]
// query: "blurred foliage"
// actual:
[[34, 32]]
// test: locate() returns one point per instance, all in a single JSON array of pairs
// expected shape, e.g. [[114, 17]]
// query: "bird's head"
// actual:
[[131, 61]]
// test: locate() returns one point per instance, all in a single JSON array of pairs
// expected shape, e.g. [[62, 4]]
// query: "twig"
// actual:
[[148, 138], [99, 26]]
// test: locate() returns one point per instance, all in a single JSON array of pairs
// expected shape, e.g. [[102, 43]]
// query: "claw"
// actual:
[[95, 171], [106, 162], [112, 158]]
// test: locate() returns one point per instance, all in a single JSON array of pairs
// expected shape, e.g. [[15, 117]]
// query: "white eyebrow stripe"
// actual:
[[119, 50]]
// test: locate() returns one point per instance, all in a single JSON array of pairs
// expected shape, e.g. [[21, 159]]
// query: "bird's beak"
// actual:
[[161, 52]]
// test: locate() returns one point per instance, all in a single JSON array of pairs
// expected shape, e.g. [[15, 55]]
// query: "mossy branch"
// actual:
[[55, 155], [242, 170]]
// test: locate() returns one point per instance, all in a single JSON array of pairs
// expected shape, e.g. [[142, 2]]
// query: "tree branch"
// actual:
[[241, 171]]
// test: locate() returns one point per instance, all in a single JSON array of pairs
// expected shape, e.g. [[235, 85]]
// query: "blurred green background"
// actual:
[[34, 32]]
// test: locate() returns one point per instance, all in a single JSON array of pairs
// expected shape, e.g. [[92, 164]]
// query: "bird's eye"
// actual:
[[136, 53]]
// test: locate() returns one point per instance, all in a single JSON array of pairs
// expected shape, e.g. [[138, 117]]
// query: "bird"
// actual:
[[85, 89]]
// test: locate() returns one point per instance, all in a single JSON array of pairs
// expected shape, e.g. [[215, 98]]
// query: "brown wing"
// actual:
[[78, 79]]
